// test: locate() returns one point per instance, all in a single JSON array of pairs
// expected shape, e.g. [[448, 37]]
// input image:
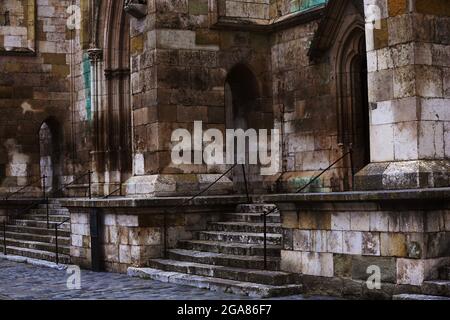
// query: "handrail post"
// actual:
[[4, 238], [165, 235], [56, 244], [351, 166], [265, 241], [48, 214], [44, 186], [90, 190], [246, 184]]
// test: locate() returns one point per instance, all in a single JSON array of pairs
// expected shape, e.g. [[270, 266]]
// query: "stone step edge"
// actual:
[[187, 264], [41, 252], [33, 235], [419, 297], [232, 244], [34, 262], [208, 254], [214, 284], [30, 242]]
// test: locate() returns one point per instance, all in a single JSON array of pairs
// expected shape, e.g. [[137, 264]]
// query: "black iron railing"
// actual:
[[56, 228], [118, 190], [187, 201], [43, 179], [43, 200], [298, 191], [89, 187]]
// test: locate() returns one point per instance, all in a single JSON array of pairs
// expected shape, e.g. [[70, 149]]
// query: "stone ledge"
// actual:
[[357, 196]]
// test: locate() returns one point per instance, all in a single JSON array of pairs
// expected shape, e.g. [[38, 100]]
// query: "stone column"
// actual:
[[409, 94], [98, 154]]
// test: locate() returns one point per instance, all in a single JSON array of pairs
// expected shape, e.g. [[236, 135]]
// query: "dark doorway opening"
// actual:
[[353, 106]]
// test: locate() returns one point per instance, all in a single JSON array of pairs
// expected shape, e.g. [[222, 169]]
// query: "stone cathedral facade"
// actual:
[[91, 91]]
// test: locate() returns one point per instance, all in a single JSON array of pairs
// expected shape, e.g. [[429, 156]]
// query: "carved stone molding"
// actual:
[[95, 55], [136, 8]]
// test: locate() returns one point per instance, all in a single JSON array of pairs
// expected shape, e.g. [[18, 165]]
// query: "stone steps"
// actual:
[[64, 241], [43, 218], [30, 236], [43, 211], [252, 217], [38, 231], [256, 208], [245, 227], [444, 273], [36, 254], [275, 278], [229, 256], [36, 245], [242, 249], [239, 237], [40, 224], [419, 297], [436, 288], [217, 284], [248, 262]]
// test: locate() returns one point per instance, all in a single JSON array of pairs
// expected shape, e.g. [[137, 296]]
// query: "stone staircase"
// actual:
[[432, 289], [229, 257], [28, 235]]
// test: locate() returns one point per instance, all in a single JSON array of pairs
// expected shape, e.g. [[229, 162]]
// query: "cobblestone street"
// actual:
[[20, 281]]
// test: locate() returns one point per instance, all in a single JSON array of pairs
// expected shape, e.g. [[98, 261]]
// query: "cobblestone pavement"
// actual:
[[21, 281]]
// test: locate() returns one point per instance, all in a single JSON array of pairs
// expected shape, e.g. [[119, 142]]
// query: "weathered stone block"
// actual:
[[393, 245], [352, 242], [302, 240], [317, 264], [291, 261], [360, 221], [360, 268]]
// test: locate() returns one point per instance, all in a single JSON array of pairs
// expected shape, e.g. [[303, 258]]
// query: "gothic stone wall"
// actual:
[[32, 89], [408, 240], [132, 236]]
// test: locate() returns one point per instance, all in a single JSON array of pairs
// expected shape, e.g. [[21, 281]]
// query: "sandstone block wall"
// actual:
[[342, 240], [130, 237], [34, 87]]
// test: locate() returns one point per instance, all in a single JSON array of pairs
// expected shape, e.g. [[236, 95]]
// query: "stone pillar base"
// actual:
[[415, 174], [168, 185]]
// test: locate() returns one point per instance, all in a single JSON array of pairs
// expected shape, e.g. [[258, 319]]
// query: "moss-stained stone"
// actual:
[[309, 220], [198, 7], [433, 7], [381, 36], [207, 37], [54, 58], [361, 264], [397, 7], [61, 70], [137, 44], [342, 265], [393, 245]]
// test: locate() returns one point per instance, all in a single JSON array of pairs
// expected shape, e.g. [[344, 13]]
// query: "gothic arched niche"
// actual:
[[110, 55], [49, 153], [244, 110], [352, 99]]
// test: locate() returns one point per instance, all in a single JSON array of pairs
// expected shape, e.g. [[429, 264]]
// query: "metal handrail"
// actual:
[[89, 173], [185, 202], [298, 191], [8, 196], [56, 226], [323, 172], [117, 190]]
